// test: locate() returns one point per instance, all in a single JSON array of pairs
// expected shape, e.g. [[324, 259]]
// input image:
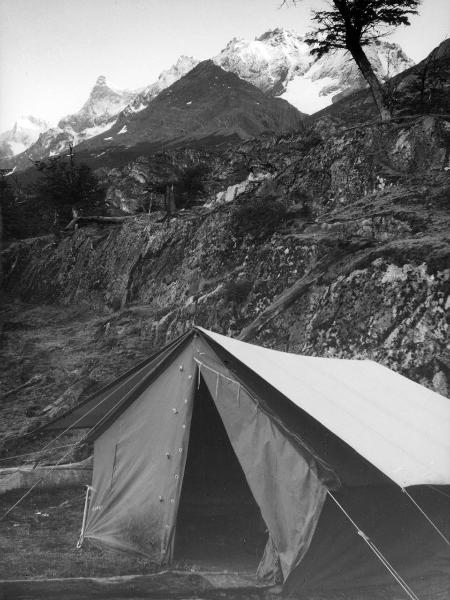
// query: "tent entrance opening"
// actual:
[[219, 524]]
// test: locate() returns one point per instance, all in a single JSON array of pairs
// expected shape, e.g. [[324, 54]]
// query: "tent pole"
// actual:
[[83, 524], [435, 527], [377, 552]]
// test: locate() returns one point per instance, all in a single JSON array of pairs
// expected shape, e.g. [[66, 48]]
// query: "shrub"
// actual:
[[260, 216], [237, 291], [190, 185]]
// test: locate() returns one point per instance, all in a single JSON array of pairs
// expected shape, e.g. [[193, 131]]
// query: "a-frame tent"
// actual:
[[319, 440]]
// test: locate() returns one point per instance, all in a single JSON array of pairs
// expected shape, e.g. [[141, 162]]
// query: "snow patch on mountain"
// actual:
[[307, 93]]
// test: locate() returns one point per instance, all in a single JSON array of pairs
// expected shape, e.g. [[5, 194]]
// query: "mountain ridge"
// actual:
[[277, 62], [207, 101]]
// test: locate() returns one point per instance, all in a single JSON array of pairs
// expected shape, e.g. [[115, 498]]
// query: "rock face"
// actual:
[[24, 133]]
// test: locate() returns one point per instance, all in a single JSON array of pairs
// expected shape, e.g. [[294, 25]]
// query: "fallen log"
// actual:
[[286, 298], [32, 381], [56, 476], [93, 219]]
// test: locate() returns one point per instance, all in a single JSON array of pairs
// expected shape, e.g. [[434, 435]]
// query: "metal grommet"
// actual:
[[180, 449], [177, 476]]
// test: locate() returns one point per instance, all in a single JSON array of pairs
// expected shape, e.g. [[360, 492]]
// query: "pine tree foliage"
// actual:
[[69, 186], [357, 21]]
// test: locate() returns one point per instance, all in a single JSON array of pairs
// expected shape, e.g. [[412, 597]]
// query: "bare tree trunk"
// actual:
[[169, 200], [376, 88]]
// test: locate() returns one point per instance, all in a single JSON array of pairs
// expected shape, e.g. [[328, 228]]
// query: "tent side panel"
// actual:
[[138, 466], [287, 489], [338, 558]]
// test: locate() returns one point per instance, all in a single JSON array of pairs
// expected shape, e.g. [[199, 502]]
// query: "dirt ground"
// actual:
[[38, 542], [38, 539]]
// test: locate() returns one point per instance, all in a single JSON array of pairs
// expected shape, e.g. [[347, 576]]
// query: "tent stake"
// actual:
[[83, 524]]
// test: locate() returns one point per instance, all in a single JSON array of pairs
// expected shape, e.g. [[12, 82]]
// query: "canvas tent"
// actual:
[[262, 437]]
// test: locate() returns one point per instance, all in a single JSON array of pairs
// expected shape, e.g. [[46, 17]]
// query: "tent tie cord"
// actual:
[[435, 527], [6, 458], [72, 447], [439, 491], [411, 594], [72, 425]]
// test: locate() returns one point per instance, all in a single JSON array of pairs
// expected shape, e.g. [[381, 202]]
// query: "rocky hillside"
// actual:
[[329, 242]]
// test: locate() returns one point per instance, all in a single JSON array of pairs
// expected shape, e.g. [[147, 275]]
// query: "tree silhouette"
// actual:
[[69, 188], [353, 24]]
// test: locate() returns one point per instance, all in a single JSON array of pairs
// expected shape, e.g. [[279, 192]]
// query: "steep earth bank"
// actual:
[[360, 216]]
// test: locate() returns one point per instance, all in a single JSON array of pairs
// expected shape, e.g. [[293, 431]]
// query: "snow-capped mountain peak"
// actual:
[[101, 81], [279, 62], [100, 109], [268, 60], [25, 131], [141, 100]]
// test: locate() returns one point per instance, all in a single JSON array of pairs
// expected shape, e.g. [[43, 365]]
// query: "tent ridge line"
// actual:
[[122, 405], [133, 371]]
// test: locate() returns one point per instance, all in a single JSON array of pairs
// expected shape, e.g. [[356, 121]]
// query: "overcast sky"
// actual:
[[52, 51]]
